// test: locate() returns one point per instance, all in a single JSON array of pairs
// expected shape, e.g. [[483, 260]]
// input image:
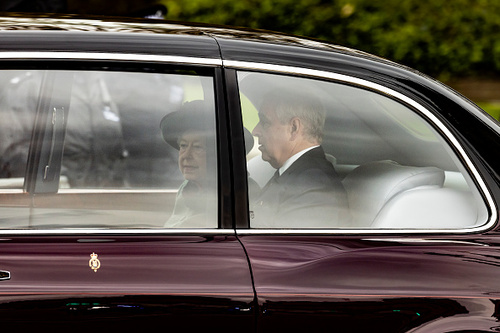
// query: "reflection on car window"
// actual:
[[18, 115], [120, 168], [334, 156]]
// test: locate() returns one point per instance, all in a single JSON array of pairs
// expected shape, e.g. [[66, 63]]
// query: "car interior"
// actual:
[[397, 170]]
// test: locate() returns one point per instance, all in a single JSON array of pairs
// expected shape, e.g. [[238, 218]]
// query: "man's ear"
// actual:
[[295, 127]]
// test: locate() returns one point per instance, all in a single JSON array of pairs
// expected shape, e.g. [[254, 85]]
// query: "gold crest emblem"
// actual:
[[94, 263]]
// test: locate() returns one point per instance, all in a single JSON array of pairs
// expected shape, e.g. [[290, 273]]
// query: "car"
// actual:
[[130, 185]]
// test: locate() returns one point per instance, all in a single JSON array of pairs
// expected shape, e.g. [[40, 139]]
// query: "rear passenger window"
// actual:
[[121, 149], [329, 155]]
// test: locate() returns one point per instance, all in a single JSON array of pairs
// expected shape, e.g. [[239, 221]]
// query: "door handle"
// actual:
[[4, 275]]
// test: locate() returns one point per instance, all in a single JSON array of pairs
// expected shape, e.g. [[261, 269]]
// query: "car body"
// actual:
[[88, 184]]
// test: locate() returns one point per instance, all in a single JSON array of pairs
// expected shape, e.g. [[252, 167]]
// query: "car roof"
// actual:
[[74, 23], [24, 24], [72, 33]]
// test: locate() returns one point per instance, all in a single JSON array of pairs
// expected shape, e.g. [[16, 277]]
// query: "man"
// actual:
[[305, 192]]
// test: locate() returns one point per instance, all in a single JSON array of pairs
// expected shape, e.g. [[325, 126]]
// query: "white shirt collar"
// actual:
[[292, 159]]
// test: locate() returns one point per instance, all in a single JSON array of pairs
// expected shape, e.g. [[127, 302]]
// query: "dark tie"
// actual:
[[273, 180]]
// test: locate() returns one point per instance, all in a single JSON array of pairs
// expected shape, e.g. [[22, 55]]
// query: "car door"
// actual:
[[409, 255], [87, 240]]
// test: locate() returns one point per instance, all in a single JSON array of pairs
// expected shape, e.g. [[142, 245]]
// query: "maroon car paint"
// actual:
[[373, 283], [176, 279]]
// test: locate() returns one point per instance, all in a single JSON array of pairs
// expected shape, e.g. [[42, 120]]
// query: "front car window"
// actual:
[[16, 125], [333, 156], [138, 149]]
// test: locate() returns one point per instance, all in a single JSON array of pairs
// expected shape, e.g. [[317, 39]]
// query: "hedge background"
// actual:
[[443, 38], [456, 41]]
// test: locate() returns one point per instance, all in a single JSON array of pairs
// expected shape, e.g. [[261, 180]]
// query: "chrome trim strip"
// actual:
[[26, 55], [271, 68], [51, 55], [387, 91], [116, 191], [340, 232], [118, 232], [11, 191]]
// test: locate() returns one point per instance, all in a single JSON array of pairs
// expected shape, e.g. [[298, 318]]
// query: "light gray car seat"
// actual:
[[372, 185]]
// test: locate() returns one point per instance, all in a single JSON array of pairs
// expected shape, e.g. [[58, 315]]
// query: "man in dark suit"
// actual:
[[305, 191]]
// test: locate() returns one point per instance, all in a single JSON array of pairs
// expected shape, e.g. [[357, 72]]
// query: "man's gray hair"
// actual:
[[288, 104]]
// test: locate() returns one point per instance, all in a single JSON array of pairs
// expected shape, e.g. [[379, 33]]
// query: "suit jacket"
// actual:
[[308, 194]]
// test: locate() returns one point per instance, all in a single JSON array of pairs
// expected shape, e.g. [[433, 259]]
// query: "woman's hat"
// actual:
[[196, 115]]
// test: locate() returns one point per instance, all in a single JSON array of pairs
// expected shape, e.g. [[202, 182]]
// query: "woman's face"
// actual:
[[193, 156]]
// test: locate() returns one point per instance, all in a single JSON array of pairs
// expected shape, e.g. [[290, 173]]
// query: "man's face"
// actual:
[[193, 156], [274, 138]]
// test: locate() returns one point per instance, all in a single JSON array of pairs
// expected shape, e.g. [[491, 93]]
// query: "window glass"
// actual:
[[329, 155], [18, 115], [16, 126], [138, 150]]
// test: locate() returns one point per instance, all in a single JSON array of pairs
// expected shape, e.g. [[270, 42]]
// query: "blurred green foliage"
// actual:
[[440, 37], [493, 108]]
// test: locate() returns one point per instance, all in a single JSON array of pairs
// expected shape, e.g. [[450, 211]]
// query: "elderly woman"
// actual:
[[191, 131]]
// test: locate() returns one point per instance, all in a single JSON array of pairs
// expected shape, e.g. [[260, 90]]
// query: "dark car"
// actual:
[[131, 189]]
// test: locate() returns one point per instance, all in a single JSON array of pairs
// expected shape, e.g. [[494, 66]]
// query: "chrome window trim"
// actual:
[[11, 191], [57, 55], [117, 232], [269, 68], [279, 69]]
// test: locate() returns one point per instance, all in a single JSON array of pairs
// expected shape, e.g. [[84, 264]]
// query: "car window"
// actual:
[[15, 133], [332, 155], [18, 116], [17, 124], [137, 149]]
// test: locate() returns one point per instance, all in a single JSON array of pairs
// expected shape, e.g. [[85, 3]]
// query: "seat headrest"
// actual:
[[373, 184]]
